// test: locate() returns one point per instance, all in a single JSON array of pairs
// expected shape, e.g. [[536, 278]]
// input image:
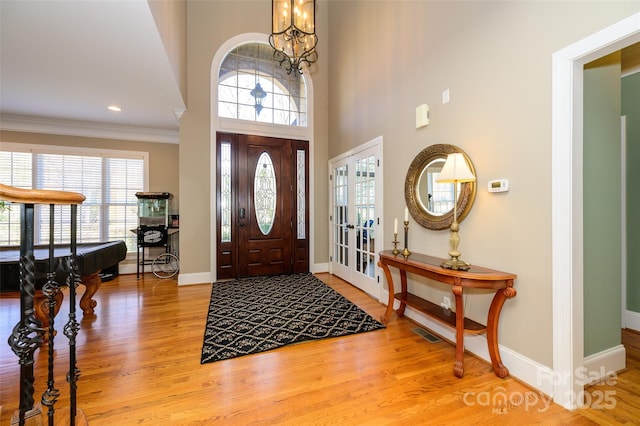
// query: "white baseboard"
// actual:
[[632, 320], [194, 278], [524, 369], [599, 366], [205, 277], [540, 377], [317, 268], [534, 374], [126, 268]]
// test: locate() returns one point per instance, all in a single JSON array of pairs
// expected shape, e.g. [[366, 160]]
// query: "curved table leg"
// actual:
[[403, 290], [385, 317], [458, 367], [492, 328], [92, 285], [41, 308]]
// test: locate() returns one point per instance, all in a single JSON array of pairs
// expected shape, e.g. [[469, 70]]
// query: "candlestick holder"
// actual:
[[395, 244], [406, 253]]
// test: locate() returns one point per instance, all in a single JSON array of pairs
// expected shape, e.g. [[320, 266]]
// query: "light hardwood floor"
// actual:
[[140, 364]]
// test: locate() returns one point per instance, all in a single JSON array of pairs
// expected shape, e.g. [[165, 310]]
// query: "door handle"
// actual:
[[241, 214], [350, 226]]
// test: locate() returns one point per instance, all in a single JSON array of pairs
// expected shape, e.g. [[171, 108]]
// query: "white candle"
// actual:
[[406, 214], [395, 226]]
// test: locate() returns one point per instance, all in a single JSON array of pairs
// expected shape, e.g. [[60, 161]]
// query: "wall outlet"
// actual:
[[446, 303]]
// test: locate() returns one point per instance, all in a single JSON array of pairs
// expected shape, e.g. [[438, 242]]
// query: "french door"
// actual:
[[262, 206], [356, 206]]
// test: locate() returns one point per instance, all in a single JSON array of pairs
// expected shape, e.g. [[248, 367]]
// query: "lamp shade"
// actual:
[[456, 169]]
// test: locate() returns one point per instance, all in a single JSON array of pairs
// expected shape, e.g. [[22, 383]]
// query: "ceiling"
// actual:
[[63, 62]]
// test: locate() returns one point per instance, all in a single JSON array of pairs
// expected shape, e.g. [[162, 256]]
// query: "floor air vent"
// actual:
[[426, 335]]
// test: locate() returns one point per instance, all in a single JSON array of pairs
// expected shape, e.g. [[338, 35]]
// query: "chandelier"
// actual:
[[259, 94], [293, 35]]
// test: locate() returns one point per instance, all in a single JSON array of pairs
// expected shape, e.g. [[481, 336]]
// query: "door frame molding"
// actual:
[[566, 212], [254, 128], [623, 219]]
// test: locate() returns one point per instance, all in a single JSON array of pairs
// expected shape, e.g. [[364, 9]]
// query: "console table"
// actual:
[[476, 277]]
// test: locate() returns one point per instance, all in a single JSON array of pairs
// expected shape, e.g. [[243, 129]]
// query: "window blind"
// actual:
[[108, 180]]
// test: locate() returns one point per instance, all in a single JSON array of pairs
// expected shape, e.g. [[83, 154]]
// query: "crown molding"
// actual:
[[86, 129]]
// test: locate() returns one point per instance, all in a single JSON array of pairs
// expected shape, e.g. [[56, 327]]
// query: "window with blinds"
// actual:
[[108, 180]]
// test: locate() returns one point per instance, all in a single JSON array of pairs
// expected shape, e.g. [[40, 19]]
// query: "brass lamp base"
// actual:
[[456, 265], [454, 239]]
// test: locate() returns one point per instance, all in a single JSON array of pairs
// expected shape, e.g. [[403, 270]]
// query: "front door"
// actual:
[[262, 206]]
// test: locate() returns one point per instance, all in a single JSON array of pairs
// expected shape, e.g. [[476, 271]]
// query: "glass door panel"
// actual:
[[340, 222], [365, 198], [356, 195]]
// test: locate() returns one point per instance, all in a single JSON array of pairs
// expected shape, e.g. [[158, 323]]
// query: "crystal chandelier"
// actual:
[[293, 35]]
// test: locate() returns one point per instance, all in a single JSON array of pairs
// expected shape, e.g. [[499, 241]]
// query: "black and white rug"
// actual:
[[258, 314]]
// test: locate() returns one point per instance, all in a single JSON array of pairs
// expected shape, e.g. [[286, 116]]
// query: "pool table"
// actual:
[[91, 257]]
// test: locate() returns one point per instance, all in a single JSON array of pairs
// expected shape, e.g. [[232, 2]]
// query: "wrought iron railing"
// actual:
[[29, 334]]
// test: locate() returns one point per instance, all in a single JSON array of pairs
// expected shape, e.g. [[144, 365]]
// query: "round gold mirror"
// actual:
[[430, 202]]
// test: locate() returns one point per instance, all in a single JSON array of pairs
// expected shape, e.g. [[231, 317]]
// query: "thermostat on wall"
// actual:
[[498, 185]]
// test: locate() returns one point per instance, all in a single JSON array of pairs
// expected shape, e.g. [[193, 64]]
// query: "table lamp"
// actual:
[[455, 170]]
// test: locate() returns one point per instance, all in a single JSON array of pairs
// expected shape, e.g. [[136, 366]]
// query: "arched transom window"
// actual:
[[252, 86]]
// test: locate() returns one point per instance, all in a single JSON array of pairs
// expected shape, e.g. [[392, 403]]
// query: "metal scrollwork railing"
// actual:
[[28, 334]]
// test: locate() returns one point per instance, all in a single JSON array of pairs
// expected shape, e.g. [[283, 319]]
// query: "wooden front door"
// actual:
[[262, 206]]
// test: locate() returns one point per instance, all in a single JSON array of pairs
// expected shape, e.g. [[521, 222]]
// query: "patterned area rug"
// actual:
[[258, 314]]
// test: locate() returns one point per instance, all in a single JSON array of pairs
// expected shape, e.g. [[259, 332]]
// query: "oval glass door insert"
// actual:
[[265, 193]]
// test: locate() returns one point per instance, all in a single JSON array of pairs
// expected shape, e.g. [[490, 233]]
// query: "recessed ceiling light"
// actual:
[[114, 108]]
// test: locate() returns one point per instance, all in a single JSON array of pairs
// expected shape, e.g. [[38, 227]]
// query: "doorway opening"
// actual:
[[567, 215]]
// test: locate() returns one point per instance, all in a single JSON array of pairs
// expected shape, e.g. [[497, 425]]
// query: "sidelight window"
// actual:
[[301, 195], [225, 192]]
